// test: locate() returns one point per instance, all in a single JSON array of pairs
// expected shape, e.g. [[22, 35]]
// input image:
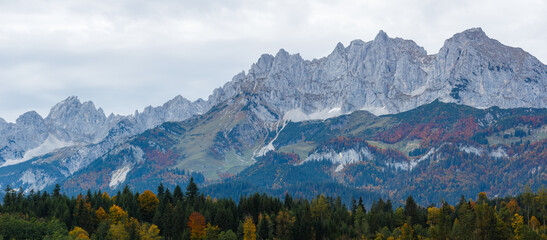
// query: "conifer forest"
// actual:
[[188, 214]]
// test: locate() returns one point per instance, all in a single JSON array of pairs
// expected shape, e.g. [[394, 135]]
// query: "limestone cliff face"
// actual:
[[390, 75]]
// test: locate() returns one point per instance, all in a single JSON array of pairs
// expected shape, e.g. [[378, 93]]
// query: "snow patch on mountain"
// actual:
[[297, 115], [50, 144], [36, 180], [471, 149], [408, 166], [499, 153], [378, 111], [119, 175], [270, 146], [341, 158]]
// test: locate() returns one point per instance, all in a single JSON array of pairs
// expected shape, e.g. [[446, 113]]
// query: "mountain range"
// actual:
[[383, 82]]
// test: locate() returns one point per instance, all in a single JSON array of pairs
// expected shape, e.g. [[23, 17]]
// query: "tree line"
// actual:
[[190, 214]]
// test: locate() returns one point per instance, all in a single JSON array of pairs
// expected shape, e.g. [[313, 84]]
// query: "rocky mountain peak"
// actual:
[[31, 118], [68, 103], [339, 48], [282, 53], [381, 36], [472, 34], [72, 110], [476, 39], [262, 66], [69, 108], [178, 100]]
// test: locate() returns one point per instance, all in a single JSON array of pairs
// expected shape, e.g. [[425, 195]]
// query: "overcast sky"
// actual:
[[125, 55]]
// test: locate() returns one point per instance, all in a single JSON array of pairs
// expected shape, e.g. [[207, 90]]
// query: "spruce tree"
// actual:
[[57, 191], [177, 194], [411, 210], [161, 190], [191, 190]]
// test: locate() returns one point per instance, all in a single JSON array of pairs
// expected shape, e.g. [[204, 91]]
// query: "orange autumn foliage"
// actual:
[[196, 223], [101, 214]]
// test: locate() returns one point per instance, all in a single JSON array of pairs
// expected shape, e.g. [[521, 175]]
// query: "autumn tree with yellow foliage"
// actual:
[[117, 214], [249, 229], [78, 233], [148, 202]]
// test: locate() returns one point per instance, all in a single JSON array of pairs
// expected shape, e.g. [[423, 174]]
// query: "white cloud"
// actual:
[[125, 55]]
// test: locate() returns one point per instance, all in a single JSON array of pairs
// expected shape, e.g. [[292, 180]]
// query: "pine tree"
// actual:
[[466, 221], [360, 222], [284, 223], [445, 221], [263, 227], [303, 225], [288, 201], [411, 210], [191, 190], [177, 194], [57, 191], [161, 190], [83, 216], [319, 208], [528, 196]]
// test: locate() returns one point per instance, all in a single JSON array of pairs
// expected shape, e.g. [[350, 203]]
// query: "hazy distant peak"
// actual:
[[29, 118]]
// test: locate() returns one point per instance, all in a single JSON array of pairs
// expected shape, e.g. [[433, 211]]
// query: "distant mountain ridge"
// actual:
[[242, 119], [72, 123]]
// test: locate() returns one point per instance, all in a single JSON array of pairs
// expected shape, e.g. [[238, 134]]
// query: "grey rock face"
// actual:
[[78, 122], [482, 72], [72, 123], [28, 132], [176, 109], [390, 75], [74, 134]]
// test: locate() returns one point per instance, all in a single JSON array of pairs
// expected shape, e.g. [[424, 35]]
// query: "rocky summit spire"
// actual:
[[381, 36]]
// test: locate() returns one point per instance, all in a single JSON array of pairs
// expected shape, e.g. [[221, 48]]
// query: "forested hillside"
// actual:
[[189, 214], [436, 152]]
